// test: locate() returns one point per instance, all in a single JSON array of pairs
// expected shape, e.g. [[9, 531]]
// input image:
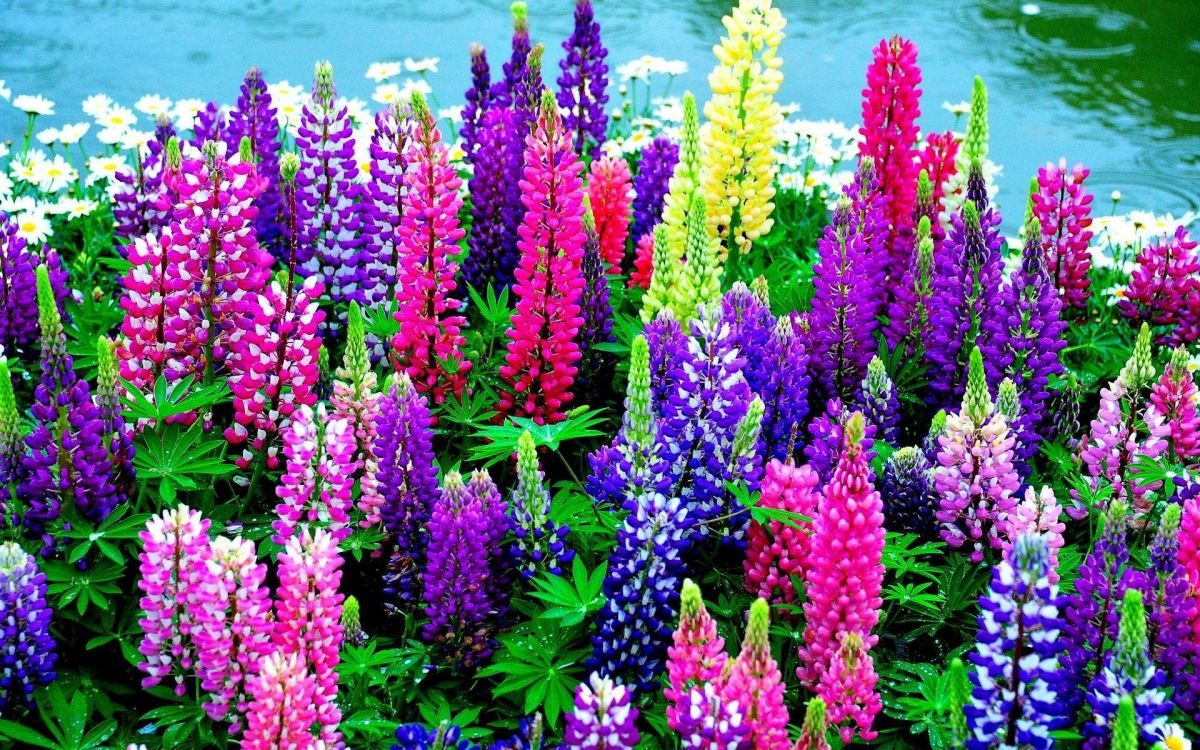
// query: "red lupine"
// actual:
[[643, 262], [938, 160], [610, 193]]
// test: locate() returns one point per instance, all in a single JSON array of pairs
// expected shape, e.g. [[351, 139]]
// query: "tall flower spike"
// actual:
[[845, 574], [611, 198], [1037, 513], [960, 695], [517, 66], [254, 118], [739, 143], [777, 553], [654, 169], [711, 721], [385, 203], [909, 498], [938, 159], [495, 515], [1063, 206], [1016, 700], [1174, 396], [428, 344], [282, 710], [540, 366], [539, 545], [12, 447], [826, 439], [595, 365], [140, 201], [174, 549], [697, 656], [699, 281], [118, 438], [18, 289], [975, 475], [848, 689], [316, 487], [755, 682], [782, 382], [355, 399], [478, 100], [603, 719], [1170, 609], [909, 326], [973, 151], [1163, 285], [583, 84], [496, 208], [27, 650], [812, 735], [880, 404]]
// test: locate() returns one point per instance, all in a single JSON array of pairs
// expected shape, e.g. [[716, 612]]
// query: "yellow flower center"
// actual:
[[28, 226], [1173, 743]]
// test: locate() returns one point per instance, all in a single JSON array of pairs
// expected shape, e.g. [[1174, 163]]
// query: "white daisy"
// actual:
[[47, 136], [6, 187], [153, 105], [135, 140], [54, 174], [424, 65], [33, 226], [387, 93], [73, 133], [33, 104], [117, 116], [96, 105], [75, 208], [958, 109], [183, 113], [104, 167], [381, 71], [453, 114]]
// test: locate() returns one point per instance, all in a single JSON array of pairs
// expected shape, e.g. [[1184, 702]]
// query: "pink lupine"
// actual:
[[938, 160], [272, 366], [1163, 285], [848, 689], [1189, 554], [1064, 207], [777, 554], [1037, 513], [174, 545], [316, 487], [355, 399], [142, 350], [755, 683], [231, 607], [1175, 397], [283, 707], [428, 345], [697, 656], [610, 193], [845, 570], [643, 262], [539, 369], [308, 619]]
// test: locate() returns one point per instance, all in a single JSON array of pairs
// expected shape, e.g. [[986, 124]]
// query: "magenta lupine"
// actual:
[[939, 160], [328, 199], [316, 486], [754, 681], [1189, 553], [603, 719], [1038, 513], [777, 553], [845, 570], [848, 690], [583, 84], [428, 345], [174, 547], [384, 207], [697, 656], [1163, 286], [478, 99], [1063, 206], [1175, 398], [230, 607], [255, 119], [282, 708], [709, 720], [308, 620], [611, 198], [975, 475], [540, 366]]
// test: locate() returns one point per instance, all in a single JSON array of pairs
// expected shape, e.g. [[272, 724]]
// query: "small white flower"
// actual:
[[184, 112], [381, 71], [135, 140], [111, 136], [618, 113], [1173, 738], [48, 136], [424, 65], [104, 167], [957, 109], [153, 105], [1116, 196], [73, 133], [414, 84], [5, 92], [387, 93], [33, 226], [33, 104], [358, 111], [19, 204], [1030, 9], [6, 187], [669, 109], [75, 208], [453, 114], [117, 116], [96, 105], [54, 174]]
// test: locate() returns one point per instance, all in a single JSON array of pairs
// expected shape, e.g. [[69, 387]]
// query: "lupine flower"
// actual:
[[595, 365], [316, 486], [495, 514], [868, 218], [308, 619], [384, 207], [118, 438], [754, 681], [209, 125], [496, 208], [230, 607], [697, 656], [407, 485], [684, 183], [848, 689], [282, 708], [1023, 340], [1038, 513], [1016, 700], [12, 448], [417, 737], [909, 327], [698, 282], [975, 475], [1165, 278], [1091, 613], [528, 92], [603, 717], [1170, 609], [540, 366], [583, 83], [27, 650], [643, 262], [880, 404], [18, 289], [709, 720], [610, 197], [1063, 207], [654, 169], [1174, 396], [812, 736], [352, 630], [782, 382], [516, 67], [777, 554], [174, 549], [1128, 671], [972, 151], [428, 334], [890, 108], [478, 99], [539, 545], [255, 119], [826, 439], [739, 159], [456, 577], [355, 399], [845, 571], [939, 160], [140, 197], [328, 199], [910, 501], [530, 735]]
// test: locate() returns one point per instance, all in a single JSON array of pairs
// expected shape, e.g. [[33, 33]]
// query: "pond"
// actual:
[[1111, 84]]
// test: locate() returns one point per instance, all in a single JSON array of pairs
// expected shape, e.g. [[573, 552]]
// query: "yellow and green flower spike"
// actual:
[[639, 416], [977, 402], [1125, 728], [975, 143], [1139, 369], [960, 694], [699, 281], [662, 276], [1008, 401]]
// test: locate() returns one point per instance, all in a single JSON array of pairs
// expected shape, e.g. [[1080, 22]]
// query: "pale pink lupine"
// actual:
[[317, 486], [1117, 439], [355, 399], [308, 614], [283, 709], [1175, 397], [174, 545], [1037, 513], [231, 607], [848, 689], [697, 656]]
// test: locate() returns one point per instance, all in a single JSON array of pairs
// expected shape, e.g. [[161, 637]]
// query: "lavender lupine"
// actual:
[[825, 439], [909, 326], [209, 125], [595, 365], [604, 717], [254, 117], [1016, 700], [27, 650], [539, 545], [478, 99], [583, 84], [328, 199], [496, 208], [384, 206], [654, 169], [782, 382], [18, 289], [445, 736], [880, 403], [1169, 608]]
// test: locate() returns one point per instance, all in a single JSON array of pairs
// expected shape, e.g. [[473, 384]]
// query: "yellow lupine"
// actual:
[[699, 281], [743, 118]]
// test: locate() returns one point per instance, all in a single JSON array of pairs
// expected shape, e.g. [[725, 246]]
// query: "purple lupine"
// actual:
[[909, 327], [27, 653], [595, 365], [604, 717], [651, 183], [138, 203], [327, 198], [670, 357], [209, 125], [253, 117], [446, 736], [478, 98], [1022, 339], [539, 545], [879, 402], [966, 287], [526, 94], [1016, 699], [1093, 611], [1169, 608], [495, 202], [843, 319], [383, 210], [18, 289], [825, 439], [407, 484], [583, 84], [495, 514], [750, 322], [456, 578], [909, 499], [518, 62], [868, 207], [782, 382]]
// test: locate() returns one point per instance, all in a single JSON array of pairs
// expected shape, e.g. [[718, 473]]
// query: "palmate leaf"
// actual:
[[572, 601], [175, 457], [533, 662], [172, 399], [903, 559], [491, 306], [499, 441]]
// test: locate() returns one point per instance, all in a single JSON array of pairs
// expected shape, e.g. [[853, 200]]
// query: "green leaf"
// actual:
[[14, 731]]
